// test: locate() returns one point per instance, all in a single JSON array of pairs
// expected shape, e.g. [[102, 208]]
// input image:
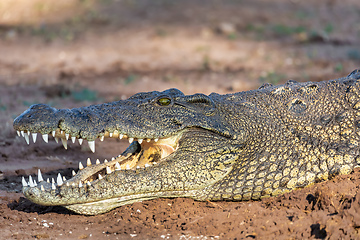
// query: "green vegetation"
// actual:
[[232, 36], [272, 77], [129, 79], [354, 54], [28, 104], [84, 95], [255, 28], [161, 32], [258, 29], [49, 33], [283, 30], [329, 28], [206, 63], [338, 67], [302, 15], [301, 33], [2, 106]]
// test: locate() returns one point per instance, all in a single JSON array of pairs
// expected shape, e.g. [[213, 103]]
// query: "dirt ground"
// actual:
[[74, 53]]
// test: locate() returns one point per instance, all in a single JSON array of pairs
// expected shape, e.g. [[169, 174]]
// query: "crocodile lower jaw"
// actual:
[[103, 206]]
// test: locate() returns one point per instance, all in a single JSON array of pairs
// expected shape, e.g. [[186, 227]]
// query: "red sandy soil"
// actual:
[[87, 52]]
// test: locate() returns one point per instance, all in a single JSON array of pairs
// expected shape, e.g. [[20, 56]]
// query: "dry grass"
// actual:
[[34, 12]]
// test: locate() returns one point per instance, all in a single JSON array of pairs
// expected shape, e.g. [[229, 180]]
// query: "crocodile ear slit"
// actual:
[[199, 98], [208, 107]]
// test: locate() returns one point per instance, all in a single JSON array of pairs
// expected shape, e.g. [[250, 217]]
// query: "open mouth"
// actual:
[[141, 153]]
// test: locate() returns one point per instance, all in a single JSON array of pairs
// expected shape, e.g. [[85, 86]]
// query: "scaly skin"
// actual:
[[241, 146]]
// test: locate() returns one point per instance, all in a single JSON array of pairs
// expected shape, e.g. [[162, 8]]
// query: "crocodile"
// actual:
[[233, 147]]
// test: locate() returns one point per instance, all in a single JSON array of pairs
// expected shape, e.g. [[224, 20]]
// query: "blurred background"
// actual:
[[73, 53]]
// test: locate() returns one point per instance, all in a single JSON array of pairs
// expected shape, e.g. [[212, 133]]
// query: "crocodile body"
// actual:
[[234, 147]]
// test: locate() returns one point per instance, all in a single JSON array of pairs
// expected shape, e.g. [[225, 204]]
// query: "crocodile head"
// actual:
[[175, 144]]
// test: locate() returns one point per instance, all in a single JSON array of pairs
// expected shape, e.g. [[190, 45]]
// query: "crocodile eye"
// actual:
[[164, 101]]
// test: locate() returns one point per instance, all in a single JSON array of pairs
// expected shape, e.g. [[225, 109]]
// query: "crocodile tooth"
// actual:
[[148, 140], [48, 180], [80, 141], [80, 184], [100, 177], [67, 184], [67, 136], [45, 137], [18, 133], [137, 167], [42, 188], [97, 161], [154, 162], [117, 166], [53, 133], [131, 140], [121, 136], [64, 179], [88, 162], [73, 139], [34, 135], [56, 140], [102, 138], [156, 139], [53, 186], [52, 180], [59, 180], [31, 184], [61, 132], [23, 181], [111, 134], [92, 145], [73, 173], [105, 161], [147, 165], [64, 142], [112, 159], [108, 170], [127, 167], [27, 138], [81, 167], [88, 183], [140, 140], [40, 178], [22, 133], [73, 184], [35, 183]]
